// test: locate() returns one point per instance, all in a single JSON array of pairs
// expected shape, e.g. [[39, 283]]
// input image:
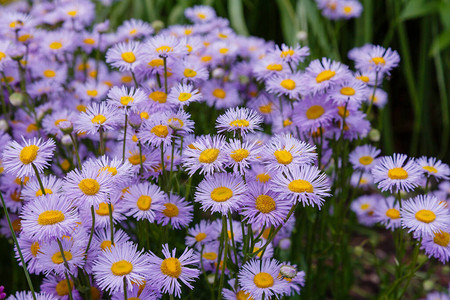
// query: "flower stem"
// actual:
[[373, 94], [75, 147], [38, 178], [125, 287], [66, 265], [24, 265], [224, 261], [111, 223], [92, 229], [125, 135]]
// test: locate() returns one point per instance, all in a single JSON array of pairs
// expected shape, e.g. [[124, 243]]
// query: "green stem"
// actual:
[[38, 178], [165, 73], [373, 95], [141, 170], [233, 243], [66, 265], [111, 223], [125, 135], [125, 287], [224, 261], [75, 147], [102, 144], [92, 229], [69, 286], [13, 234]]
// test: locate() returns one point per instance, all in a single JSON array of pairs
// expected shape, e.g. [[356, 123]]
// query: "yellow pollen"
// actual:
[[81, 108], [103, 209], [55, 45], [366, 160], [239, 154], [122, 267], [274, 67], [49, 73], [266, 109], [430, 169], [189, 48], [223, 50], [124, 100], [47, 192], [89, 186], [129, 57], [62, 288], [171, 210], [363, 78], [184, 97], [288, 84], [425, 216], [379, 60], [188, 31], [72, 13], [28, 154], [365, 206], [164, 49], [393, 213], [206, 58], [397, 173], [200, 236], [441, 238], [265, 204], [347, 10], [210, 255], [287, 53], [347, 91], [171, 267], [263, 280], [201, 16], [209, 155], [221, 194], [25, 37], [144, 115], [239, 123], [263, 177], [133, 31], [105, 245], [136, 160], [58, 259], [283, 157], [219, 93], [158, 96], [363, 181], [34, 248], [287, 122], [189, 73], [325, 75], [89, 41], [157, 62], [160, 131], [144, 202], [98, 119], [300, 186], [314, 112]]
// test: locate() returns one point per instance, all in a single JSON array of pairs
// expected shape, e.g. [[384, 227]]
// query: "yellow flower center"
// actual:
[[393, 213], [103, 209], [128, 57], [55, 45], [49, 73], [59, 121], [157, 62], [201, 16], [301, 186], [283, 157], [219, 93], [58, 259], [397, 173], [288, 84], [89, 41], [347, 91], [263, 177], [47, 192], [144, 202], [265, 204], [105, 245], [430, 169], [144, 115], [122, 267], [206, 58], [209, 155], [28, 154], [266, 109], [240, 123], [62, 288], [274, 67], [379, 60], [92, 93], [2, 55], [50, 217], [200, 236], [425, 216], [164, 49], [65, 165], [365, 206], [221, 194], [17, 225], [441, 238], [347, 9], [133, 31], [314, 112], [171, 267], [110, 170], [263, 280], [287, 53], [363, 78], [89, 186], [342, 110], [34, 248], [72, 13], [189, 73], [210, 255], [184, 96], [160, 131], [239, 154], [171, 210], [287, 122], [124, 100], [136, 160], [366, 160], [241, 295], [98, 119], [81, 108], [325, 75], [127, 78], [158, 96]]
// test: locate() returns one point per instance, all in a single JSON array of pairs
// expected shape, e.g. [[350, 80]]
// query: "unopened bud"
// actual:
[[4, 125], [302, 35], [218, 73], [285, 244], [66, 127], [210, 278], [288, 271], [135, 120], [157, 25], [16, 99], [374, 135], [66, 140]]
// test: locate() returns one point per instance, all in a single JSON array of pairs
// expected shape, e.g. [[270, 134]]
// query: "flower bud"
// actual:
[[218, 73], [288, 271], [66, 140], [66, 127], [157, 25], [4, 125], [374, 135], [16, 99]]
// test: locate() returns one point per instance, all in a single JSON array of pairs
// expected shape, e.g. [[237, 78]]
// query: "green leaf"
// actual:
[[289, 21], [419, 8], [440, 43], [236, 13]]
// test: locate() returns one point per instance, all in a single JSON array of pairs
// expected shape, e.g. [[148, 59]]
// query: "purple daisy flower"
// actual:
[[437, 245], [176, 211]]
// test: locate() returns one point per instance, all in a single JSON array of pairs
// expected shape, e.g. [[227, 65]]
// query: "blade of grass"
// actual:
[[236, 14]]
